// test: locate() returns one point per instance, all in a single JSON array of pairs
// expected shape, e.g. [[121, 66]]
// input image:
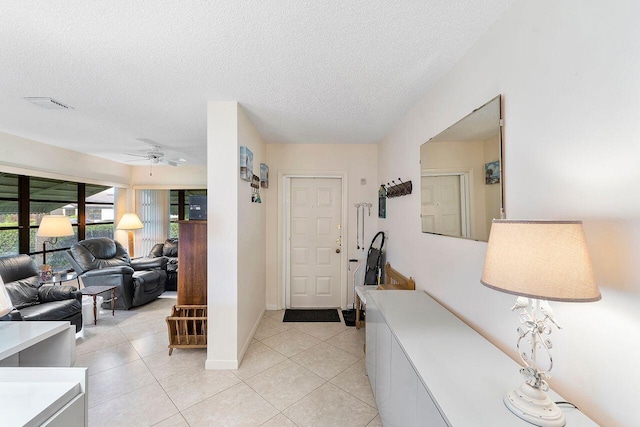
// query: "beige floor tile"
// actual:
[[174, 421], [275, 314], [100, 338], [152, 344], [187, 389], [144, 407], [376, 422], [354, 380], [352, 341], [285, 384], [181, 361], [325, 360], [142, 329], [270, 327], [321, 330], [291, 342], [117, 381], [258, 358], [329, 406], [237, 406], [279, 421], [110, 357]]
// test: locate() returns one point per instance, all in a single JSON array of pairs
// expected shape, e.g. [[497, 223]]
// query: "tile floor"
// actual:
[[293, 374]]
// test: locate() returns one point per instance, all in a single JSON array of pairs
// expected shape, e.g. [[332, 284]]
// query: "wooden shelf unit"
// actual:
[[192, 263]]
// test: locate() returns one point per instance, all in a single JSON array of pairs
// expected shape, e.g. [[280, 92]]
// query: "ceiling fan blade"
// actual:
[[169, 162], [144, 156]]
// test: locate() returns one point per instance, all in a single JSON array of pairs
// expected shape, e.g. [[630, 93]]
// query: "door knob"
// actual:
[[338, 250]]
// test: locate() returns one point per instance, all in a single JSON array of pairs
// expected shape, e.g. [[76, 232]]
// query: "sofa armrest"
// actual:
[[140, 264], [156, 250], [12, 315], [57, 293], [107, 271]]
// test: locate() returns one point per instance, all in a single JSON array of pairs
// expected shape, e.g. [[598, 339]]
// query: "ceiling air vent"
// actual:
[[48, 103]]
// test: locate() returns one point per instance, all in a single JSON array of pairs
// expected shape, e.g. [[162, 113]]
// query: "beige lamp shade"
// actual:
[[540, 259], [129, 221], [55, 226]]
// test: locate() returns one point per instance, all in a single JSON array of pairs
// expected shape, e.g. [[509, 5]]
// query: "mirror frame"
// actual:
[[500, 124]]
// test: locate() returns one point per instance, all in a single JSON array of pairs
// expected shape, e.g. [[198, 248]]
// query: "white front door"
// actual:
[[315, 233], [441, 205]]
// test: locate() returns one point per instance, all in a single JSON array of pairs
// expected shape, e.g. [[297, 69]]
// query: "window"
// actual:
[[25, 200], [9, 214], [179, 207]]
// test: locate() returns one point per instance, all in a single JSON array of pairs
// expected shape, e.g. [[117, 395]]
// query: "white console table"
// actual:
[[55, 397], [37, 344], [428, 368]]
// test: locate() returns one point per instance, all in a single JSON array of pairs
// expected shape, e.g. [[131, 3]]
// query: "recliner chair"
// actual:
[[168, 250], [32, 299], [104, 261]]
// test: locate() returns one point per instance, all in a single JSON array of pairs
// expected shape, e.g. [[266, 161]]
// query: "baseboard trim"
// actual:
[[221, 365]]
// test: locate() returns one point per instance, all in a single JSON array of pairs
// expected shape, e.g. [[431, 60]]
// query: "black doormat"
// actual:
[[322, 315]]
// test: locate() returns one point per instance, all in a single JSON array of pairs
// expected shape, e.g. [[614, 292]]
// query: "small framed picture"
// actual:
[[264, 175], [246, 164], [492, 172]]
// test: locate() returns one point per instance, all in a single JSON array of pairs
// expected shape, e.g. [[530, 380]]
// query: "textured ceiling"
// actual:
[[304, 71]]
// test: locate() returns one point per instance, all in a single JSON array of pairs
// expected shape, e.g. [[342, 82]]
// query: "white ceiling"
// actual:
[[305, 71]]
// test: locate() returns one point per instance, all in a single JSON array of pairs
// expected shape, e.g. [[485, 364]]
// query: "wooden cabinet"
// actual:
[[192, 263]]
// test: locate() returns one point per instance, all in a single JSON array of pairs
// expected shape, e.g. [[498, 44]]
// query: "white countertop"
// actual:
[[32, 403], [16, 336], [466, 375]]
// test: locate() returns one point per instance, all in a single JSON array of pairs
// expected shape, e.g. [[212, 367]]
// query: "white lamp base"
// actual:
[[534, 405]]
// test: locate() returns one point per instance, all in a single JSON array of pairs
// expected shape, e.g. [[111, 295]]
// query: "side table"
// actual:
[[94, 291], [59, 278]]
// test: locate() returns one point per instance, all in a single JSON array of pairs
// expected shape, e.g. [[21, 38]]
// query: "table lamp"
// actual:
[[53, 226], [538, 260], [130, 222], [5, 301]]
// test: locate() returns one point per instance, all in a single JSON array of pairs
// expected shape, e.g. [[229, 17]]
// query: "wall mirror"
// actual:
[[461, 176]]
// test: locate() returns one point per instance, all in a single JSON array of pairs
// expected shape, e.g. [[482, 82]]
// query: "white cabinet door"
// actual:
[[404, 382], [383, 370], [427, 412], [373, 319]]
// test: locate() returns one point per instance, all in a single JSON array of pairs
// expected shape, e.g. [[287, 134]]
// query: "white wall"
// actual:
[[356, 161], [236, 237], [569, 75], [169, 177], [222, 235], [251, 240], [28, 157]]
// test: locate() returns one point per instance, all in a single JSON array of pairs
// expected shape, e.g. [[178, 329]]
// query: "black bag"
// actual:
[[375, 261]]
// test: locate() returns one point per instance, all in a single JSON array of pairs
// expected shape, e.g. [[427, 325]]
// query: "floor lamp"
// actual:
[[538, 260], [53, 226], [130, 222]]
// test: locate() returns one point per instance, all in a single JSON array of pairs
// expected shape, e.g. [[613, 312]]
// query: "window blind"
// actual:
[[152, 206]]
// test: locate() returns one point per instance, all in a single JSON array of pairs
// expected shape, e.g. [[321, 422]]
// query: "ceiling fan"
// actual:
[[155, 156]]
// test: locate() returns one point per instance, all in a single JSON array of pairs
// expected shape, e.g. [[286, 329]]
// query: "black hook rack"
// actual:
[[399, 189]]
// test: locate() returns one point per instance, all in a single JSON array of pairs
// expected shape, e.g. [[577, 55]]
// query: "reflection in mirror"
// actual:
[[461, 176]]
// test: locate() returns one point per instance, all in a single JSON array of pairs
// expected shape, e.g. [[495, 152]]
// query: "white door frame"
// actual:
[[466, 183], [284, 213]]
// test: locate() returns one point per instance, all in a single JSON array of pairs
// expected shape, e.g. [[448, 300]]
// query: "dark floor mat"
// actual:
[[315, 315]]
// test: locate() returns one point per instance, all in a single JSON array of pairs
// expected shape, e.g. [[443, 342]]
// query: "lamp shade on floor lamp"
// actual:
[[130, 222]]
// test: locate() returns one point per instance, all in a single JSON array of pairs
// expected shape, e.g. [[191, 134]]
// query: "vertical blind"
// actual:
[[152, 206]]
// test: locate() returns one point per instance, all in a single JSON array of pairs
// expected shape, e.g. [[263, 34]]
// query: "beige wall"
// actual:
[[357, 162], [568, 72], [28, 157], [251, 240], [169, 177]]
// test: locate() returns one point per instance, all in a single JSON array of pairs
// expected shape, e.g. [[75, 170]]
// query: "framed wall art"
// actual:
[[246, 164]]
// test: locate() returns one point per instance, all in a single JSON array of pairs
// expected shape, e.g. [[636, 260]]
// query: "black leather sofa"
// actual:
[[104, 261], [168, 250], [34, 301]]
